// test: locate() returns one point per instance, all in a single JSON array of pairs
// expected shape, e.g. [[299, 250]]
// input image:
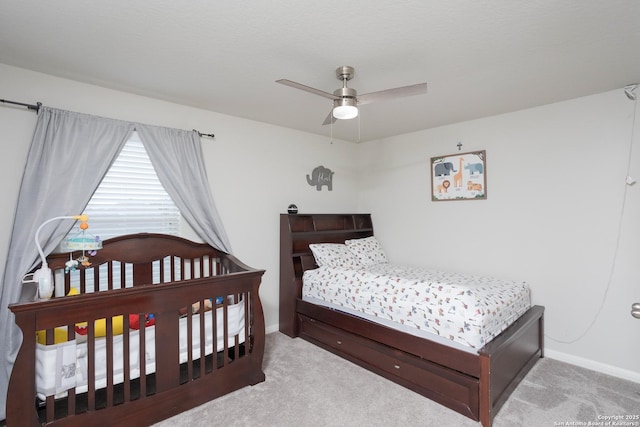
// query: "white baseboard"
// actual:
[[272, 328], [614, 371]]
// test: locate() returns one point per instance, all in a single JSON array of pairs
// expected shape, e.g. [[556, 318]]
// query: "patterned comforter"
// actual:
[[468, 310]]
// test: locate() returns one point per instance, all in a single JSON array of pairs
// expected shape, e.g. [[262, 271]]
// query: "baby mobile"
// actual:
[[83, 241]]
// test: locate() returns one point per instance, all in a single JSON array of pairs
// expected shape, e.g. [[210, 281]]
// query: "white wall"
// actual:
[[556, 200], [255, 170]]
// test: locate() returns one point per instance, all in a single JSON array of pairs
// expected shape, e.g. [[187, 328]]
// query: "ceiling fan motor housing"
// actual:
[[346, 106], [345, 72], [345, 92]]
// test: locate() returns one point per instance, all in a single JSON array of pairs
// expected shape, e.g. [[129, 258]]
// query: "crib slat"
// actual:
[[202, 340], [91, 365], [233, 352], [67, 283], [247, 321], [214, 331], [71, 393], [96, 279], [189, 344], [50, 402], [83, 282], [123, 275], [167, 358], [109, 338], [126, 361], [50, 413], [142, 362], [162, 270], [225, 329], [109, 275]]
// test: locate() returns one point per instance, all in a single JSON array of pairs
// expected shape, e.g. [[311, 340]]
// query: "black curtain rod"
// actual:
[[210, 135], [35, 107]]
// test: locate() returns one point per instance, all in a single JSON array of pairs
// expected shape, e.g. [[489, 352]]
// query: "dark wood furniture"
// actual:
[[195, 273], [475, 385]]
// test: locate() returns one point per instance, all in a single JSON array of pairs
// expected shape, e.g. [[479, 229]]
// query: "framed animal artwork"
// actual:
[[461, 176]]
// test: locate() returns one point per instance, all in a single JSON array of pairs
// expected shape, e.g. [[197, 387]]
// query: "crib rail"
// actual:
[[173, 288], [140, 259]]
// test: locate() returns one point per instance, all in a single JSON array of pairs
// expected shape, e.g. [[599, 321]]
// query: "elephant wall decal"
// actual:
[[321, 176], [444, 169]]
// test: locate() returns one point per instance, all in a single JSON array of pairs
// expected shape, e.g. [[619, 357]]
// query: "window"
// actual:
[[131, 199]]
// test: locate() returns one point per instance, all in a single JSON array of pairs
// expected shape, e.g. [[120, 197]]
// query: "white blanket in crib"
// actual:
[[63, 366]]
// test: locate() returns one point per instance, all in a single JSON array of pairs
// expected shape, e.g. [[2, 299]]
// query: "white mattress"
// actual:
[[459, 310], [56, 364]]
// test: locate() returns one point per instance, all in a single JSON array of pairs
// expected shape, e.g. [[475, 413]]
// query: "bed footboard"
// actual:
[[506, 360], [207, 339]]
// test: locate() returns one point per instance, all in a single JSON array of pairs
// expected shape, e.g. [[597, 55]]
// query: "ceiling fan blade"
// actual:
[[307, 88], [368, 98], [329, 119]]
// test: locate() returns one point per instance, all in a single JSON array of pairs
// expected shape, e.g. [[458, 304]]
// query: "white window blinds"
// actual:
[[131, 199]]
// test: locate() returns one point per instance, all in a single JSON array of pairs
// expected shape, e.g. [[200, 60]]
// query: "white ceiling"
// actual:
[[480, 58]]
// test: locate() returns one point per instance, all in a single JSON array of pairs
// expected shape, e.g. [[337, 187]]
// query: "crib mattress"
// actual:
[[64, 366], [464, 310]]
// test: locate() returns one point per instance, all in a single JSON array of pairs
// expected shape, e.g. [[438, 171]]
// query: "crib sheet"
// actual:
[[464, 310], [63, 366]]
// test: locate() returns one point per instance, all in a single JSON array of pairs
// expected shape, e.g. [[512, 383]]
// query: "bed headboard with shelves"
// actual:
[[297, 231]]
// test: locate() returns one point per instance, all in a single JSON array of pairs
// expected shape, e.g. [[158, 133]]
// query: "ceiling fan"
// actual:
[[346, 100]]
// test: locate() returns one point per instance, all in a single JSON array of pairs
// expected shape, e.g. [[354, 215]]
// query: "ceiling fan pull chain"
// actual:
[[331, 131]]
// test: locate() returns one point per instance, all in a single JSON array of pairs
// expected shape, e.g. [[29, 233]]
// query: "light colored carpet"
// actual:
[[308, 386]]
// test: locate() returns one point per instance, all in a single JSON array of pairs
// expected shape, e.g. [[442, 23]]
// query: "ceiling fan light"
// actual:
[[345, 109]]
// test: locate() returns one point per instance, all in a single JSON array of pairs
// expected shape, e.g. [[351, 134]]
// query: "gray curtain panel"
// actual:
[[70, 154], [176, 155]]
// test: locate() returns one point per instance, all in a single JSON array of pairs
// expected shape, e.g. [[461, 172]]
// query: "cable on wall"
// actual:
[[629, 91]]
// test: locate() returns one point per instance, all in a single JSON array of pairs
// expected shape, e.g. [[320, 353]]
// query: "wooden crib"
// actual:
[[168, 281]]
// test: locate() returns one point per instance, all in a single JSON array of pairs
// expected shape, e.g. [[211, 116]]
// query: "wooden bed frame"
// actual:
[[475, 385], [196, 273]]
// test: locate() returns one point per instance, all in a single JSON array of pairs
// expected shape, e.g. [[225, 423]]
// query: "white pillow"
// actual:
[[368, 250], [334, 255]]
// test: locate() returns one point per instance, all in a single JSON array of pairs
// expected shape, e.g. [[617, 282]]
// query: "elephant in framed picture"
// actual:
[[444, 169]]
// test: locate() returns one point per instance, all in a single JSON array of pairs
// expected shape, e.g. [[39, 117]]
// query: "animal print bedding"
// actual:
[[462, 309]]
